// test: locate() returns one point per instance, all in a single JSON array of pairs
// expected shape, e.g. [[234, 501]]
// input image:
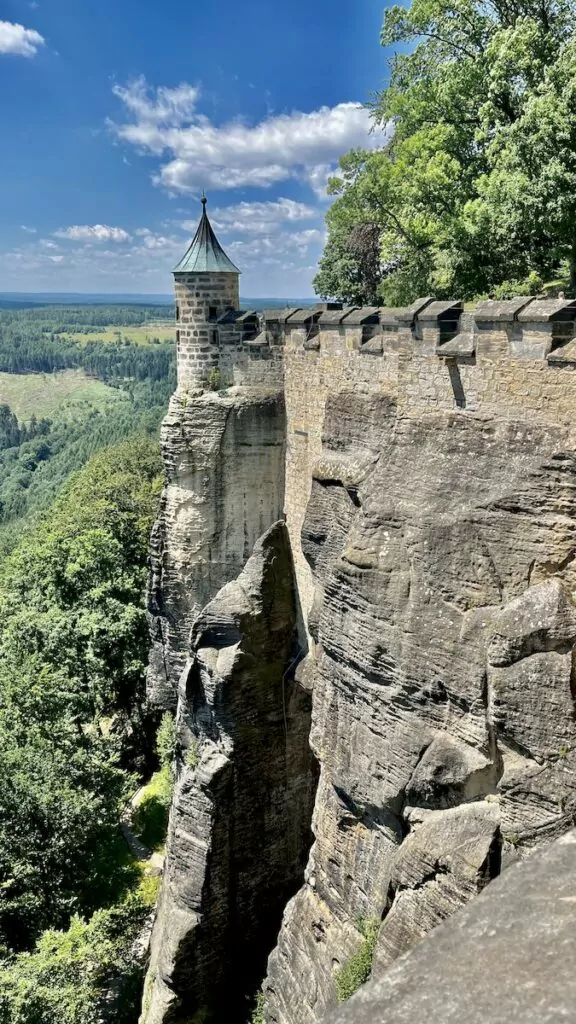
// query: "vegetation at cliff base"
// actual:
[[66, 976], [474, 190], [150, 817], [75, 736]]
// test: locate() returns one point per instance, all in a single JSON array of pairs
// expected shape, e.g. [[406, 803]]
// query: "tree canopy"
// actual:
[[474, 190], [73, 649]]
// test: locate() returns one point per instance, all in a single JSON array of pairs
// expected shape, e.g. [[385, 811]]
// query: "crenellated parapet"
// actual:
[[252, 344], [520, 328]]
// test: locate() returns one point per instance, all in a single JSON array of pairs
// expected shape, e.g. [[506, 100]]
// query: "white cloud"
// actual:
[[93, 233], [198, 153], [318, 176], [29, 231], [151, 240], [19, 41], [272, 249], [271, 264], [255, 218], [162, 107]]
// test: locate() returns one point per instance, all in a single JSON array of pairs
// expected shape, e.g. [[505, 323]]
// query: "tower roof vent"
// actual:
[[205, 254]]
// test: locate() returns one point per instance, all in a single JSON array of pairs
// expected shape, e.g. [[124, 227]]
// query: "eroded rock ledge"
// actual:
[[505, 958]]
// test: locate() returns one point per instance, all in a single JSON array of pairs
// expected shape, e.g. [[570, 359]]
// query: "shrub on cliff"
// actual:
[[475, 187], [358, 968]]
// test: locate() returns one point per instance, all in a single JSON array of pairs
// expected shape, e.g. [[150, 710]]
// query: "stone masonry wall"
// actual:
[[200, 300], [502, 378]]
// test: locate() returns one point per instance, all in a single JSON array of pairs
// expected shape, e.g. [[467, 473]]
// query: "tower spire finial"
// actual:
[[205, 254]]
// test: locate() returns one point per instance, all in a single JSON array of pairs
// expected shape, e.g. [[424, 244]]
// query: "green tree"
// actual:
[[73, 722], [474, 189], [72, 975]]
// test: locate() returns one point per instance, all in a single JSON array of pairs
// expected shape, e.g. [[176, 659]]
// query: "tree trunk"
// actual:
[[573, 270]]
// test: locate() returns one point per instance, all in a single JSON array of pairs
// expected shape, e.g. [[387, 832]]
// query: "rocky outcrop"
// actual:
[[240, 823], [506, 958], [443, 628], [440, 668], [223, 455]]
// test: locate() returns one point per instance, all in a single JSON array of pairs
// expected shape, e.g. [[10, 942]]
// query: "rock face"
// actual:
[[505, 958], [224, 461], [420, 596], [239, 828], [443, 624]]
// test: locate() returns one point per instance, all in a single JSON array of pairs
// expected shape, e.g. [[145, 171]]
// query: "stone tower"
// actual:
[[207, 285]]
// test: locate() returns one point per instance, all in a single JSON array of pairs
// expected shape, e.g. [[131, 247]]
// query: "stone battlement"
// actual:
[[520, 328]]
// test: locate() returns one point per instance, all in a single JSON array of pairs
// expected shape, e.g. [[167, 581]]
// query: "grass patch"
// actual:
[[150, 817], [144, 335], [192, 754], [51, 394], [358, 968]]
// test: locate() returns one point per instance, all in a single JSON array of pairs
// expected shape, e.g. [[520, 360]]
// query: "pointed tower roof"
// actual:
[[205, 254]]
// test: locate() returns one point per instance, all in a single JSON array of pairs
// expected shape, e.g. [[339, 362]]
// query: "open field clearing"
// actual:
[[50, 394], [144, 335]]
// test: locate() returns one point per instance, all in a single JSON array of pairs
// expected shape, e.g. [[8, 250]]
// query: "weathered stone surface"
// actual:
[[440, 865], [223, 455], [435, 564], [442, 551], [449, 773], [507, 958], [240, 822]]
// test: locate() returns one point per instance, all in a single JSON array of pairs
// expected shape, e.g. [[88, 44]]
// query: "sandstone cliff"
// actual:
[[410, 628], [224, 462], [240, 823], [502, 959], [442, 550]]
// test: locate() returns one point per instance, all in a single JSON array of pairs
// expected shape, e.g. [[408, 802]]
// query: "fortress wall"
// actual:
[[509, 388], [511, 373], [310, 376], [252, 365]]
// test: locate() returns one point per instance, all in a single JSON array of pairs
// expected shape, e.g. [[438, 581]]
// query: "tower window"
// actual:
[[212, 312], [214, 337], [177, 312], [177, 339]]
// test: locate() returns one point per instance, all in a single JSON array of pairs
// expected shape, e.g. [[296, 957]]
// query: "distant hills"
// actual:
[[24, 300]]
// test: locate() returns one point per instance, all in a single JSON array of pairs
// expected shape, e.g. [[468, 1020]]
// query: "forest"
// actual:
[[37, 456], [32, 341], [79, 492], [473, 192]]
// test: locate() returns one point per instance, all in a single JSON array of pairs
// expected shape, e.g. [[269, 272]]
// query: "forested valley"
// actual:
[[79, 487]]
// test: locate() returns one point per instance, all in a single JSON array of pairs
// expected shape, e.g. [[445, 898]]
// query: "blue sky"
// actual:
[[114, 115]]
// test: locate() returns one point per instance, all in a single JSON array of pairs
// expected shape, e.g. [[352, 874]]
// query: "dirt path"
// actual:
[[154, 861]]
